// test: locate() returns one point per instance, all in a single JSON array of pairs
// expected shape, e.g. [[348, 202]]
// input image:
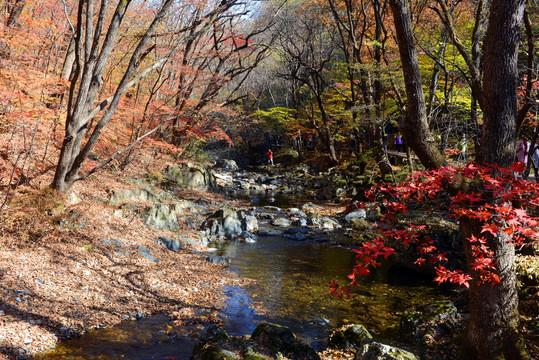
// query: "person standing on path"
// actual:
[[462, 145], [534, 152], [398, 143], [270, 157], [523, 149]]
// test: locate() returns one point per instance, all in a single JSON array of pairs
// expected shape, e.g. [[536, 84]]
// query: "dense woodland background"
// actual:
[[105, 85], [111, 77]]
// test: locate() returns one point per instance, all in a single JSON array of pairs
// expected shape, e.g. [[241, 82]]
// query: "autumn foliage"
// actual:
[[496, 197]]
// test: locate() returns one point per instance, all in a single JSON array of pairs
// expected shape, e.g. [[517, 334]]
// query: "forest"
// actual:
[[153, 151]]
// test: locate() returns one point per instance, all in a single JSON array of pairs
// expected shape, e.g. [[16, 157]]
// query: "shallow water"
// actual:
[[291, 289], [291, 283]]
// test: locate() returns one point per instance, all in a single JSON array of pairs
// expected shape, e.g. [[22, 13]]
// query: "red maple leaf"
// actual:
[[490, 228]]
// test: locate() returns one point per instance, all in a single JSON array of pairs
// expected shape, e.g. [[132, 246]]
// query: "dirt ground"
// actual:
[[60, 276]]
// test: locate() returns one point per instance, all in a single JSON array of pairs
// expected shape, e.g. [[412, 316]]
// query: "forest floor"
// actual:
[[60, 278]]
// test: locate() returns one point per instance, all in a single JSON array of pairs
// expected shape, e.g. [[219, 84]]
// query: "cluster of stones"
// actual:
[[271, 341]]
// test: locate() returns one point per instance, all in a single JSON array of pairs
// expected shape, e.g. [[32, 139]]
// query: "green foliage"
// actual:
[[277, 118]]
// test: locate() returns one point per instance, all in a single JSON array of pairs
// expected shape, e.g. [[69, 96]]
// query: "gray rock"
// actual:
[[295, 230], [120, 196], [151, 258], [300, 222], [250, 223], [232, 224], [171, 244], [229, 223], [192, 178], [248, 236], [118, 243], [358, 214], [227, 164], [161, 217], [215, 259], [372, 349], [297, 213], [281, 222], [266, 231], [143, 250]]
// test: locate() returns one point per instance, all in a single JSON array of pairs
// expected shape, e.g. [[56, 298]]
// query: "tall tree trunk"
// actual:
[[500, 82], [493, 329], [415, 129], [69, 60], [494, 323], [15, 11]]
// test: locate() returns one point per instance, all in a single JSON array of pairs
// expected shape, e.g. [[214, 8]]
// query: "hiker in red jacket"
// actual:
[[270, 157]]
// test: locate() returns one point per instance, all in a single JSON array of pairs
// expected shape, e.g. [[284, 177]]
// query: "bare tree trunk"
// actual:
[[83, 92], [69, 61], [493, 329], [494, 323], [500, 82], [415, 128], [14, 13]]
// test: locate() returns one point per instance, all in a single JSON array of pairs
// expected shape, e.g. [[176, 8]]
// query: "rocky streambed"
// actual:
[[277, 231]]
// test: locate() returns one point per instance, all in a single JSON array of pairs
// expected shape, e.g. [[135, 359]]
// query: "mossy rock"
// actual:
[[214, 352], [279, 339], [275, 337], [371, 349], [348, 337], [252, 354], [420, 323], [213, 334]]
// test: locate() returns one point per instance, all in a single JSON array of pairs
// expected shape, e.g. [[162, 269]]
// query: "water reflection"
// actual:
[[291, 283], [291, 286], [148, 338]]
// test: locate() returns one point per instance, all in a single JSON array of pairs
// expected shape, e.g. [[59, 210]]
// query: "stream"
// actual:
[[290, 288]]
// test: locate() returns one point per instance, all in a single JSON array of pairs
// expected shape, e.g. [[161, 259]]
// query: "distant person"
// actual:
[[535, 159], [269, 154], [523, 149], [462, 146], [398, 143]]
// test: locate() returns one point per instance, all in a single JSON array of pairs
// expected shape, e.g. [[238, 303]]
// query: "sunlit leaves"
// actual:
[[501, 203]]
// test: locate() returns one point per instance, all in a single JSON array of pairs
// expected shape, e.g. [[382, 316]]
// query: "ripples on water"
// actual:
[[291, 289]]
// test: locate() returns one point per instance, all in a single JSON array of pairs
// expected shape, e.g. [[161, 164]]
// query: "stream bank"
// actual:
[[286, 264]]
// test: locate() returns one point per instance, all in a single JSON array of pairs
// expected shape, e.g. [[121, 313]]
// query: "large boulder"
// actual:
[[280, 340], [372, 349], [420, 325], [191, 178], [227, 164], [268, 341], [348, 337], [120, 196], [228, 223], [162, 217]]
